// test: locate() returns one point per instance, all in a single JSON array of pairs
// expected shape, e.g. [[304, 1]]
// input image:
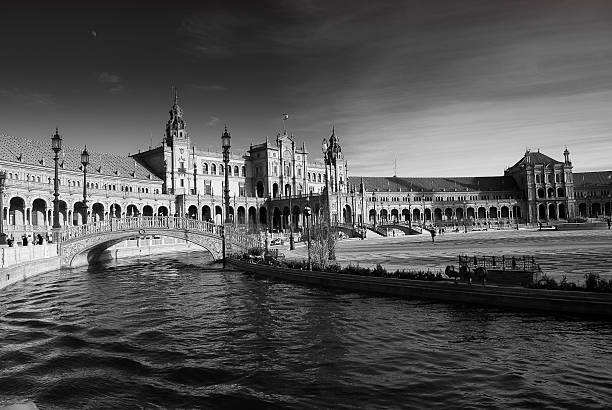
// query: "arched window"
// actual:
[[243, 171], [221, 169], [204, 168], [213, 169], [537, 178], [236, 172]]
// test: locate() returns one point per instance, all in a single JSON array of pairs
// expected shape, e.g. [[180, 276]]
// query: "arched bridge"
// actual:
[[93, 238]]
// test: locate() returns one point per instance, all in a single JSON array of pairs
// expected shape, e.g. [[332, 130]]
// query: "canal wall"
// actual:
[[584, 303], [22, 262]]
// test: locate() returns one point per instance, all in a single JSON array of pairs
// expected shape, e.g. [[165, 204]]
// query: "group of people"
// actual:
[[25, 240]]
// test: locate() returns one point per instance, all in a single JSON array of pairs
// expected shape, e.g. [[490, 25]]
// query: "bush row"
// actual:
[[592, 283]]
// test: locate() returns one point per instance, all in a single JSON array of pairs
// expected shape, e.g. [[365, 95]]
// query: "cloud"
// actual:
[[26, 95], [210, 87], [112, 82], [212, 121]]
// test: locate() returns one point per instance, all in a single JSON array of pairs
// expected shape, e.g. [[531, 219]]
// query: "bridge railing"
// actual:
[[140, 223]]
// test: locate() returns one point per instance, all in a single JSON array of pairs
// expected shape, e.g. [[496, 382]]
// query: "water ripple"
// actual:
[[177, 332]]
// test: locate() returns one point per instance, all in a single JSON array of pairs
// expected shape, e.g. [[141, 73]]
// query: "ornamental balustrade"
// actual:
[[141, 223]]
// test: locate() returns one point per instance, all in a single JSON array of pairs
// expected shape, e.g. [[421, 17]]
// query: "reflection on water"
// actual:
[[177, 332]]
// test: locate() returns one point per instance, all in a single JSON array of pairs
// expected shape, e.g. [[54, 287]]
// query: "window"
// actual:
[[241, 190], [243, 171], [204, 168], [182, 182], [220, 169], [236, 172], [537, 178], [213, 169]]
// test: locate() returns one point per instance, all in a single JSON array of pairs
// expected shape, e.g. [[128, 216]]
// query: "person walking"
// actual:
[[433, 235]]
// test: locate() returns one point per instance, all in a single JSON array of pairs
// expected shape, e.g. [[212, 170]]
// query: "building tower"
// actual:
[[568, 180], [176, 155]]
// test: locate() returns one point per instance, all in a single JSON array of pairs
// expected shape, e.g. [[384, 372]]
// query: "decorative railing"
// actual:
[[140, 223]]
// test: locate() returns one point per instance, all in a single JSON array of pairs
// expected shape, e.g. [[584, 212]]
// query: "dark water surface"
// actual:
[[171, 332]]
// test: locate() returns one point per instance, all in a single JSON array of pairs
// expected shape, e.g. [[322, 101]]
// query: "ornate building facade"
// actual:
[[272, 181]]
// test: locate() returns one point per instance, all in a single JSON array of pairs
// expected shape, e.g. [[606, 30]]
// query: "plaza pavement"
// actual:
[[571, 253]]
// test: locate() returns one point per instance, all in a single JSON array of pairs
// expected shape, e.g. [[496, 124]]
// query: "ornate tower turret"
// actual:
[[175, 127], [566, 156]]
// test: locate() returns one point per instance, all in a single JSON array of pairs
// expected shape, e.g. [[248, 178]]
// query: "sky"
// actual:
[[435, 88]]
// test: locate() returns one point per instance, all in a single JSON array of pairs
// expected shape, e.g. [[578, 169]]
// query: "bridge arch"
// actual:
[[87, 242]]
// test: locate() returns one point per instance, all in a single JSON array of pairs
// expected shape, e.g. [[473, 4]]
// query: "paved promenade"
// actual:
[[573, 253]]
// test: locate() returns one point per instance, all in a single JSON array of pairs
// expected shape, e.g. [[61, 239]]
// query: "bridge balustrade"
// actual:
[[141, 223]]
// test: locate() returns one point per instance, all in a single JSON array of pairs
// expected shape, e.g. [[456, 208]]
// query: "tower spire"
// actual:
[[175, 95]]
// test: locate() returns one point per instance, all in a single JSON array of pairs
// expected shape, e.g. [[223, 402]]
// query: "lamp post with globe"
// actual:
[[85, 162], [56, 146]]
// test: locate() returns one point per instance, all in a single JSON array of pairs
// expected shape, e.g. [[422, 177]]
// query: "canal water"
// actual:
[[170, 332]]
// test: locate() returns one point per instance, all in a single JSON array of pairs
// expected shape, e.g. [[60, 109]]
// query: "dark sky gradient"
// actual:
[[446, 88]]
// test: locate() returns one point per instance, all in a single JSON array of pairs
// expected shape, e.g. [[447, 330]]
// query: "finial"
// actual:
[[56, 131], [175, 96]]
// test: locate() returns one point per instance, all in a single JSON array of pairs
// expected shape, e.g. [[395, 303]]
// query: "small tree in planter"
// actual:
[[323, 245]]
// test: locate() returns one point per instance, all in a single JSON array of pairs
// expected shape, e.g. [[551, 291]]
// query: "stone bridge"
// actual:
[[92, 239]]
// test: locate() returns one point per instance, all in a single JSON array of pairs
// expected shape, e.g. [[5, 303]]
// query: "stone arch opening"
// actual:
[[147, 210], [115, 211], [39, 212], [505, 212], [206, 215], [560, 192], [162, 211], [448, 214], [218, 215], [97, 212], [493, 212], [582, 210], [470, 213], [372, 216], [384, 216], [252, 218], [552, 211], [394, 215], [437, 214], [263, 216], [542, 211], [79, 213], [259, 190], [551, 192], [416, 214], [17, 211], [296, 216], [132, 210], [241, 214], [406, 215], [288, 190], [347, 214], [192, 212], [595, 209], [482, 212], [459, 214], [427, 213], [276, 219], [275, 190], [562, 213]]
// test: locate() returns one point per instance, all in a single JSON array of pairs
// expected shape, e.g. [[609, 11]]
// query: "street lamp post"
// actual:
[[85, 162], [226, 144], [2, 234], [56, 145], [307, 214]]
